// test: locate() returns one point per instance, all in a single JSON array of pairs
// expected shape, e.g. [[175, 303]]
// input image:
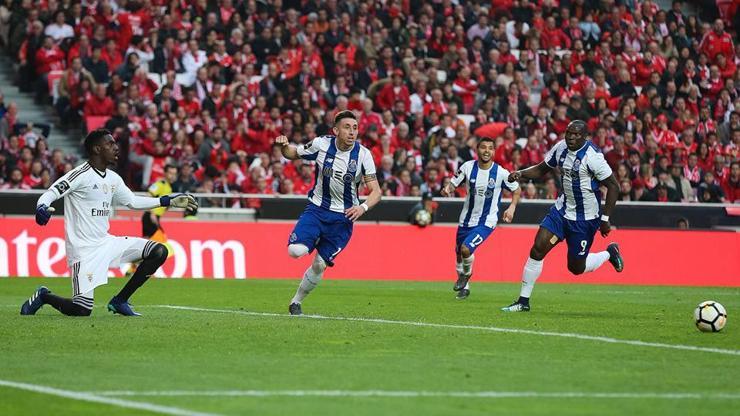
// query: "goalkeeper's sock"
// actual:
[[311, 278], [595, 260], [68, 306], [459, 268], [154, 256], [467, 263]]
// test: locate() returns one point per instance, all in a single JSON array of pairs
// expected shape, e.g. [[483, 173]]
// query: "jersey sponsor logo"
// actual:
[[348, 177], [331, 159], [62, 187], [327, 172], [352, 167]]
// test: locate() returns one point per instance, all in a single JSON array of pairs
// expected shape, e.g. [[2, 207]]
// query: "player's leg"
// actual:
[[473, 239], [80, 304], [336, 231], [301, 242], [580, 236], [548, 236], [151, 256]]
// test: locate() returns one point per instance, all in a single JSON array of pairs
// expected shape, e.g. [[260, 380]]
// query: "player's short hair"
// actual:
[[485, 139], [94, 137], [344, 114], [169, 166]]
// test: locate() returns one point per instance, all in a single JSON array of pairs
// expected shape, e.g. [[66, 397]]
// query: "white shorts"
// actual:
[[90, 267]]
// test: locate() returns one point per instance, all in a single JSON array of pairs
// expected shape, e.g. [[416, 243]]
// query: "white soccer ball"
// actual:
[[423, 218], [710, 316]]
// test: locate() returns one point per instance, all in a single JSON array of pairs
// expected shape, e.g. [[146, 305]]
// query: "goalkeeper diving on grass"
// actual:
[[90, 192]]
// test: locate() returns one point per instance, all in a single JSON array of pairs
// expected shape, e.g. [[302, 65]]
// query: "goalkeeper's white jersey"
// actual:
[[89, 196]]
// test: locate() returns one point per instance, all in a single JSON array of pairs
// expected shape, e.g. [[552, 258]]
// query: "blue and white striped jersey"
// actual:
[[581, 172], [484, 193], [338, 174]]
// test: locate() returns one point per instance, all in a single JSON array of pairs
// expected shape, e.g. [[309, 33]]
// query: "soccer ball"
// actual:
[[423, 218], [710, 316]]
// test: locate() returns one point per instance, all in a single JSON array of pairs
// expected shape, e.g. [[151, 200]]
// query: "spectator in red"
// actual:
[[731, 183], [15, 181], [465, 88], [99, 104], [553, 36], [394, 91], [717, 41]]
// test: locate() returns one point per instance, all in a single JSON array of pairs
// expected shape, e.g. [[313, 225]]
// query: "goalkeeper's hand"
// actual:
[[179, 201], [43, 214]]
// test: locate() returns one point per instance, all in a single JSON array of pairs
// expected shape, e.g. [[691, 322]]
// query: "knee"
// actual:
[[536, 253], [319, 265], [465, 251], [576, 269], [158, 253], [297, 250]]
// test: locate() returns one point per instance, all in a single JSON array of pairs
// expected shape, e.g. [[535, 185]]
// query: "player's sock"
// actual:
[[459, 268], [532, 270], [152, 260], [595, 260], [467, 286], [68, 306], [467, 263], [311, 279]]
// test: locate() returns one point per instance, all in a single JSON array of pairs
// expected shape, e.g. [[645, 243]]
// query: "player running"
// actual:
[[326, 223], [90, 191], [479, 216], [576, 215]]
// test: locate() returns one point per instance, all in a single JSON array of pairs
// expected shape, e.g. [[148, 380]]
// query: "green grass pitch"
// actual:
[[228, 361]]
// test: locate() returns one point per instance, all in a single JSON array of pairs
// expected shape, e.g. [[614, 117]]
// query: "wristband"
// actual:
[[604, 218], [164, 201], [365, 207]]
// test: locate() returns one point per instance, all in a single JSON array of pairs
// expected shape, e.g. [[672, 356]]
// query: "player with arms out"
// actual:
[[479, 216], [326, 223], [577, 214], [90, 192]]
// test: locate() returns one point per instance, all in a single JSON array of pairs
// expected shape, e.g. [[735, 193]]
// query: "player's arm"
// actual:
[[603, 173], [288, 150], [449, 189], [612, 194], [124, 196], [516, 191], [371, 181], [63, 186], [533, 172]]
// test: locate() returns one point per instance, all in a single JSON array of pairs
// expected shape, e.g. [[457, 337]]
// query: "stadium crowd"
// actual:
[[206, 85]]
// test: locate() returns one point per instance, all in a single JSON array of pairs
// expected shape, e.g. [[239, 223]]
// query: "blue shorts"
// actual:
[[471, 237], [579, 235], [323, 230]]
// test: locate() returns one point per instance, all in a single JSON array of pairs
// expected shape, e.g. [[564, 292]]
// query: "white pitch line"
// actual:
[[395, 393], [470, 327], [91, 397]]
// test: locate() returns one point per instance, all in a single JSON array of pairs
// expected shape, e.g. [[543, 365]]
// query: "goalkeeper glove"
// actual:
[[43, 214], [179, 201]]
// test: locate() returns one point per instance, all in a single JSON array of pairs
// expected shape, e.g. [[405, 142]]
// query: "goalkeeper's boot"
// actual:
[[462, 281], [516, 307], [121, 307], [295, 309], [615, 257], [35, 302], [463, 294]]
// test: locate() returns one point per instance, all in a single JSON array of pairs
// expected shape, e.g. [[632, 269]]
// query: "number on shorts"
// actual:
[[584, 243], [476, 240], [336, 252]]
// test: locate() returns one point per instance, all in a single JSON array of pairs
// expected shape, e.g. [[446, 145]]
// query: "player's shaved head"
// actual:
[[576, 134], [95, 137]]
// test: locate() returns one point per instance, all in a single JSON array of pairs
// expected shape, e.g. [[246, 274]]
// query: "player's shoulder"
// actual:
[[79, 171], [502, 171], [592, 148], [468, 165], [560, 145]]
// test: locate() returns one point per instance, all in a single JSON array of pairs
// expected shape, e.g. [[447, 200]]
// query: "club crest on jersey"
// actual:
[[576, 165], [491, 182], [352, 167], [89, 277], [105, 188]]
